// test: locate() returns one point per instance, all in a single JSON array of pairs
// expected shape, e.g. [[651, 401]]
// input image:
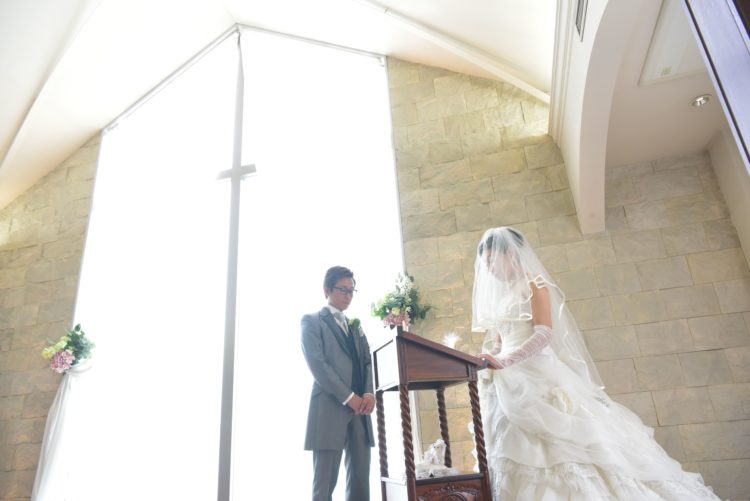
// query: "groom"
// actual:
[[342, 396]]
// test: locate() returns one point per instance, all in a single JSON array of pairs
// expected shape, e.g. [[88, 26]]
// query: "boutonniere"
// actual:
[[354, 325]]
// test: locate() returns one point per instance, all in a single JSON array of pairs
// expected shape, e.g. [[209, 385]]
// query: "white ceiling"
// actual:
[[652, 117], [71, 66]]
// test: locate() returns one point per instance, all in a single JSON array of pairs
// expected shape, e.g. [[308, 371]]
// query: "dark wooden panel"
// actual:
[[453, 490], [422, 365]]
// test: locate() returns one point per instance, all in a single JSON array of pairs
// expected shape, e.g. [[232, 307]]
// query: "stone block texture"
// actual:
[[42, 235], [662, 295]]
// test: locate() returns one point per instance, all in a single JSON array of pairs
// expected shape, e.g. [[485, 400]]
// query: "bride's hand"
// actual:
[[492, 363]]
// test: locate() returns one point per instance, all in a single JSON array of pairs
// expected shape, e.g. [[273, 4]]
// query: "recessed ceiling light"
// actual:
[[700, 100]]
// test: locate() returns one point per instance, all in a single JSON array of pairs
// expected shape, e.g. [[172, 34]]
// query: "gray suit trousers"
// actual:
[[326, 463]]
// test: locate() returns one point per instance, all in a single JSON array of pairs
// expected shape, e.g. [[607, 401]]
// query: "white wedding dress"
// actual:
[[551, 435]]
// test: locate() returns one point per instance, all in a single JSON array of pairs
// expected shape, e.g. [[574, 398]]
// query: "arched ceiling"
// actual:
[[72, 66]]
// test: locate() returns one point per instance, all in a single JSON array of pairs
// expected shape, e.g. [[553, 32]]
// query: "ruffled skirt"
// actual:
[[552, 436]]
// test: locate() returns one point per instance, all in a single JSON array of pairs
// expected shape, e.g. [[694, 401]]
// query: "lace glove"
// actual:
[[493, 346], [541, 338]]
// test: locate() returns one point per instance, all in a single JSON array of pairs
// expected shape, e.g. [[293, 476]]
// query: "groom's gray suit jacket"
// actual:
[[326, 350]]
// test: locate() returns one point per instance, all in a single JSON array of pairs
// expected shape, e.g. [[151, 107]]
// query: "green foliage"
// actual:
[[79, 344], [403, 299]]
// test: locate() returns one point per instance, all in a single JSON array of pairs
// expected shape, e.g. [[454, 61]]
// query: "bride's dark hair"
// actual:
[[502, 244]]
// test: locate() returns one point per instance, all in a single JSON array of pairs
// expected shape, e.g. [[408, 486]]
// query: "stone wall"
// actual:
[[662, 295], [674, 345], [41, 242]]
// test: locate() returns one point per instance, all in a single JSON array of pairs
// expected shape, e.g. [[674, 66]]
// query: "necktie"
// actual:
[[341, 319]]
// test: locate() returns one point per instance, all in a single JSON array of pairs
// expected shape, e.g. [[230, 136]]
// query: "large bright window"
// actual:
[[152, 293], [317, 130], [154, 280]]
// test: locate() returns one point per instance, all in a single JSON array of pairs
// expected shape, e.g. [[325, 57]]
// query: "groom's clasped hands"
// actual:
[[362, 405]]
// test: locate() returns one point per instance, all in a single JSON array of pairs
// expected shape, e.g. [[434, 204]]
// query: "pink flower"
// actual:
[[392, 320], [62, 361], [406, 320]]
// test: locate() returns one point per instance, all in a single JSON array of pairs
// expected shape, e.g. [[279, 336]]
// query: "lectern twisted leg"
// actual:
[[403, 392], [411, 475], [478, 428], [443, 416], [381, 434]]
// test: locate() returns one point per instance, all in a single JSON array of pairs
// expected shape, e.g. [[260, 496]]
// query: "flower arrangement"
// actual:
[[69, 350], [400, 306]]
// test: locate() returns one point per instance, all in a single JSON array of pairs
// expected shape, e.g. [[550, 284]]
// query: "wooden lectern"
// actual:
[[406, 363]]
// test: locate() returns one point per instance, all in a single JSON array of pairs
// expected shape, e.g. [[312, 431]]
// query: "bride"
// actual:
[[551, 431]]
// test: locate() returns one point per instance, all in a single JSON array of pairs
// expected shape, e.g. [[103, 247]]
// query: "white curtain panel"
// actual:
[[54, 478]]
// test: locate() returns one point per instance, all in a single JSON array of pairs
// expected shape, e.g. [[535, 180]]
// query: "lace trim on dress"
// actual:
[[591, 482]]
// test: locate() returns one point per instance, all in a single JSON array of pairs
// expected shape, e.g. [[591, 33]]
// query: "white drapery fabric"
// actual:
[[64, 424]]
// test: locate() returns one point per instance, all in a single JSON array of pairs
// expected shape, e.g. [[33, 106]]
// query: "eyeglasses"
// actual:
[[345, 291]]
